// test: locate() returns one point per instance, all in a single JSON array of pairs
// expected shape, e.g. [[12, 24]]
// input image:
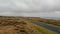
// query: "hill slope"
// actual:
[[14, 25]]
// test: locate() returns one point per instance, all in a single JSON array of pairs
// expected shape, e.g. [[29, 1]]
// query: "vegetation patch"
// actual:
[[47, 21], [14, 25], [43, 30]]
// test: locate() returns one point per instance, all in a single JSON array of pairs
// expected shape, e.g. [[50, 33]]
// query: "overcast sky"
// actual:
[[33, 8]]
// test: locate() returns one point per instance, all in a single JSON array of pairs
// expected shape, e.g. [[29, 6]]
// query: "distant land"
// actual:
[[55, 18]]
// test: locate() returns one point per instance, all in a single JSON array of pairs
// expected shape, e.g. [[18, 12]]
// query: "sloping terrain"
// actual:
[[14, 25], [47, 21]]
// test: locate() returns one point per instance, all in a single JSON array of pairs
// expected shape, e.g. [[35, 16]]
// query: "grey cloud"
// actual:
[[36, 8], [30, 5]]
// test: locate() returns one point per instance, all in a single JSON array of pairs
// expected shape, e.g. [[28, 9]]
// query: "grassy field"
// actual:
[[43, 30], [14, 25], [55, 23]]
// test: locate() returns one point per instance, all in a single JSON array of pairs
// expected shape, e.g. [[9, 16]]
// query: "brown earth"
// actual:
[[14, 25]]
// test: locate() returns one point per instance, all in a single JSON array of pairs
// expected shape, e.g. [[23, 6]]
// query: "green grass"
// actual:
[[54, 25], [49, 24], [43, 30]]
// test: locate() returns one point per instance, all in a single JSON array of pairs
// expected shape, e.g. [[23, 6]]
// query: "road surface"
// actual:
[[57, 30]]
